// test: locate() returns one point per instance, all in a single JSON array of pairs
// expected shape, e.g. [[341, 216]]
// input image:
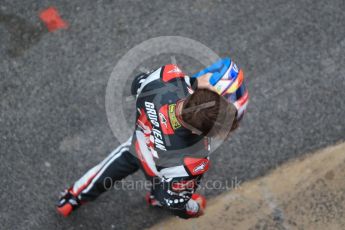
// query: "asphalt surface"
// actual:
[[53, 125]]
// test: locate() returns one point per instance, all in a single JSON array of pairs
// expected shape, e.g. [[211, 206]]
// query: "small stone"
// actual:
[[329, 175], [47, 164]]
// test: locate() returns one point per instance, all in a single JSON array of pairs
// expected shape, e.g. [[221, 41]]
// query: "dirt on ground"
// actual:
[[307, 193]]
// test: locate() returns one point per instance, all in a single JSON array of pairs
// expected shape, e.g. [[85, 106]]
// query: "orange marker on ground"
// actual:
[[52, 19]]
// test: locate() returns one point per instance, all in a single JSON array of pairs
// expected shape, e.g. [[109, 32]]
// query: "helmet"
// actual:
[[227, 80]]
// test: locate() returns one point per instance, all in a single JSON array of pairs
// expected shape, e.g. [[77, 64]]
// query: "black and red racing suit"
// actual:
[[170, 155]]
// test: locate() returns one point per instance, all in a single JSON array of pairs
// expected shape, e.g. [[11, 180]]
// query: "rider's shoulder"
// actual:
[[170, 72]]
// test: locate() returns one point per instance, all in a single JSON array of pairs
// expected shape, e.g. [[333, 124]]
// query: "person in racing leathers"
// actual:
[[176, 117]]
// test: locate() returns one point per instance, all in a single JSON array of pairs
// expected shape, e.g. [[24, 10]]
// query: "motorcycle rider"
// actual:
[[176, 118]]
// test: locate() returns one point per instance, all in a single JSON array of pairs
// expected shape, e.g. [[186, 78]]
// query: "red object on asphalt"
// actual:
[[52, 19]]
